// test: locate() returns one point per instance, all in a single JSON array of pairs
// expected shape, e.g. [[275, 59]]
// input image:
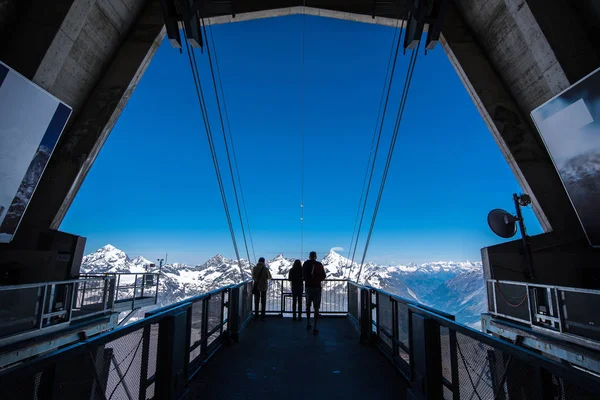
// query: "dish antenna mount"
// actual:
[[504, 224]]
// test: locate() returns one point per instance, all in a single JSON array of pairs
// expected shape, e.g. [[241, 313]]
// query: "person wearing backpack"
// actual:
[[295, 275], [313, 273], [261, 276]]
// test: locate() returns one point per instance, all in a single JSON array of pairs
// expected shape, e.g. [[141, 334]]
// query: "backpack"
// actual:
[[315, 274]]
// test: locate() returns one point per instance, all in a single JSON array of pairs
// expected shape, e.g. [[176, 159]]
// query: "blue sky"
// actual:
[[152, 189]]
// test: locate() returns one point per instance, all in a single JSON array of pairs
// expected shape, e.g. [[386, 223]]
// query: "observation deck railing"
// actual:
[[161, 355]]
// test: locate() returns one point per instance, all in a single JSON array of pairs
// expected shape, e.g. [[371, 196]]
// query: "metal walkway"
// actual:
[[279, 358], [188, 350]]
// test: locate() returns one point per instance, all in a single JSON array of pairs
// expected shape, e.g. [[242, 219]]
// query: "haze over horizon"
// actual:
[[152, 189]]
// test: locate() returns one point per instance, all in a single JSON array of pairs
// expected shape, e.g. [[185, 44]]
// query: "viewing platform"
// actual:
[[371, 344]]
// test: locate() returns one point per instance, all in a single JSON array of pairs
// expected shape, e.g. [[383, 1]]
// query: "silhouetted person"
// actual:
[[313, 273], [295, 275], [261, 276]]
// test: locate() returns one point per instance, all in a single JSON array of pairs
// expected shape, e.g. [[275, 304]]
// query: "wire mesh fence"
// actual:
[[471, 365], [124, 363], [128, 363]]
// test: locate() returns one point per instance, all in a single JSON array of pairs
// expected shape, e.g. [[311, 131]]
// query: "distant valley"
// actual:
[[454, 287]]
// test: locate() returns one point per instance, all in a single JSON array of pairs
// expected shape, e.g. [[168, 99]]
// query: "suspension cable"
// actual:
[[362, 193], [387, 97], [235, 193], [235, 163], [204, 112], [302, 138], [400, 113]]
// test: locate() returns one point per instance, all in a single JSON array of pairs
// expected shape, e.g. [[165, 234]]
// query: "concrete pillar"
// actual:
[[94, 53], [508, 67]]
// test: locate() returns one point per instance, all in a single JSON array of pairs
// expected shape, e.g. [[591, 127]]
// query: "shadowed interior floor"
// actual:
[[278, 358]]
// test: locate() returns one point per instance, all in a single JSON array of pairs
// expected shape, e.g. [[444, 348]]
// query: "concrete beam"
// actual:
[[94, 66], [92, 53], [508, 68], [301, 10]]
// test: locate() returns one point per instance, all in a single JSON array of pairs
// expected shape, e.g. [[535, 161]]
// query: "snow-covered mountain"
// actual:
[[454, 287], [111, 259]]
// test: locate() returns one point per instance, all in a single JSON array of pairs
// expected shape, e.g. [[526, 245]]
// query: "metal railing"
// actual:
[[554, 308], [34, 309], [133, 290], [150, 358], [440, 358], [159, 356], [334, 297]]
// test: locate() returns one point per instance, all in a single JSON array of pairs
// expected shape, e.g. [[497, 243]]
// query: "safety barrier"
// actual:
[[553, 308], [150, 358], [440, 358], [34, 309], [334, 297], [159, 356], [132, 290]]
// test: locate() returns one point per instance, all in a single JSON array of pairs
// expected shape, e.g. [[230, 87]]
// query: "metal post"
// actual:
[[529, 305], [51, 302], [494, 292], [427, 360], [365, 316], [347, 297], [157, 280], [105, 294], [134, 290], [454, 365], [524, 237], [42, 310], [145, 360], [73, 299], [111, 293], [118, 285], [204, 329], [281, 299], [395, 332], [233, 313], [171, 365], [83, 293], [222, 312]]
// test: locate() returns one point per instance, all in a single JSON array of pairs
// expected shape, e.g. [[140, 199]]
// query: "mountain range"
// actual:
[[453, 287]]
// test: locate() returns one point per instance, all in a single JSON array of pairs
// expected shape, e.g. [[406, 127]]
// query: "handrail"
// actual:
[[97, 340], [201, 331], [117, 273], [403, 300], [539, 285], [192, 299], [326, 279], [41, 284], [589, 381]]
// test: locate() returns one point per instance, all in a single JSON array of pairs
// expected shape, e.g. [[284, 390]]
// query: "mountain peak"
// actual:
[[108, 247]]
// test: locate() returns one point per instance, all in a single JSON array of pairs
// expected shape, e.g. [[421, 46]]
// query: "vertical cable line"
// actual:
[[362, 193], [235, 163], [211, 145], [364, 207], [302, 139], [400, 113], [235, 193]]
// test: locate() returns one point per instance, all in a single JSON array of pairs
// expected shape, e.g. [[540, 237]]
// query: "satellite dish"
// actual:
[[502, 223]]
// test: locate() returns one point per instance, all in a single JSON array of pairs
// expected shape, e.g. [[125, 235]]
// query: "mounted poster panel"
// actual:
[[31, 122], [569, 125]]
